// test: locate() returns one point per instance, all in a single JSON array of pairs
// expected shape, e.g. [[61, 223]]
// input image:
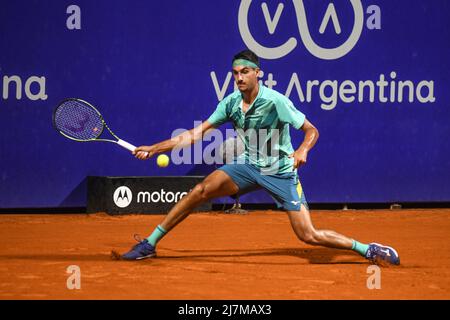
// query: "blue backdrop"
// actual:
[[372, 75]]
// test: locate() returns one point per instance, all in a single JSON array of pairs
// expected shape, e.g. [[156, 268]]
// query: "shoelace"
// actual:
[[137, 237], [370, 253]]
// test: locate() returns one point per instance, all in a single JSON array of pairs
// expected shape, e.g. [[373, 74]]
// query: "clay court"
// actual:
[[221, 256]]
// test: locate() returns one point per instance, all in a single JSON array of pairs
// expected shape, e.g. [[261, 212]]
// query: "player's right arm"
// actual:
[[186, 138], [180, 141]]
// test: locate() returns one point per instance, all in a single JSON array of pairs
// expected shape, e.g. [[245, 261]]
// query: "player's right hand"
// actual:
[[144, 152]]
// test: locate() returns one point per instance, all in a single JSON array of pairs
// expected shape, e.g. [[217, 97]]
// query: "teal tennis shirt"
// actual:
[[264, 128]]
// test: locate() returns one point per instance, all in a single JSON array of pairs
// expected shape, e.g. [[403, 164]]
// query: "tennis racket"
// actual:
[[80, 121]]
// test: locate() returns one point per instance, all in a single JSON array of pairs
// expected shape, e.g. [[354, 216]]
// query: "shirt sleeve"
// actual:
[[289, 114], [220, 115]]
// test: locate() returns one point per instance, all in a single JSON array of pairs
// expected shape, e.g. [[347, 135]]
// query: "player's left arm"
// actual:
[[311, 135]]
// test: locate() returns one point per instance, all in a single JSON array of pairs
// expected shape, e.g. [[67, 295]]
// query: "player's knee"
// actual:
[[310, 237], [201, 191], [198, 190]]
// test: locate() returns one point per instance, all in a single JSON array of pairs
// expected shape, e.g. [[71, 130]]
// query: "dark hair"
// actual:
[[247, 55]]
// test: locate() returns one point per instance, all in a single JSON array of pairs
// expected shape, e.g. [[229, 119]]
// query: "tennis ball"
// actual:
[[162, 161]]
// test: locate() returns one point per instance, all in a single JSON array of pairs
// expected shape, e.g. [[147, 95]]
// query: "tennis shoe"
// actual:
[[382, 255], [140, 251]]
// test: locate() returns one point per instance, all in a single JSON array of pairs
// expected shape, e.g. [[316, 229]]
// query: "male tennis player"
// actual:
[[254, 108]]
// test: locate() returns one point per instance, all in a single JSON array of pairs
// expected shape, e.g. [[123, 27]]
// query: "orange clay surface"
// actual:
[[222, 256]]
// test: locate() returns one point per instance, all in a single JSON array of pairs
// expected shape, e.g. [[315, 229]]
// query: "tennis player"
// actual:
[[270, 164]]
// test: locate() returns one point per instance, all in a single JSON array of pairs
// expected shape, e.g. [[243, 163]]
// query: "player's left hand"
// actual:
[[300, 157]]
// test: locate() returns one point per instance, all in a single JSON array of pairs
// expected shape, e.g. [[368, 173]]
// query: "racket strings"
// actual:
[[78, 120]]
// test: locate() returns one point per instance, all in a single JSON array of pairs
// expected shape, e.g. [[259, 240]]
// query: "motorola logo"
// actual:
[[122, 197]]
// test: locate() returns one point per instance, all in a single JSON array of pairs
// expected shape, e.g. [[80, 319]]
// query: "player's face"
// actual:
[[246, 78]]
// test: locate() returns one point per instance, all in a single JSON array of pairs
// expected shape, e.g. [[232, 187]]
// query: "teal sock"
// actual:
[[361, 248], [157, 235]]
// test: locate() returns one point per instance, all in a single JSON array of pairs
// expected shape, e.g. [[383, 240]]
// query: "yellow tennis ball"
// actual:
[[162, 161]]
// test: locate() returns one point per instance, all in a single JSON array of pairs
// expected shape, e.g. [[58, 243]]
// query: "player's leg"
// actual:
[[217, 184], [304, 229], [288, 193], [225, 181]]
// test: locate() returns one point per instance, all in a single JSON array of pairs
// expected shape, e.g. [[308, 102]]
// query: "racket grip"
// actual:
[[127, 145]]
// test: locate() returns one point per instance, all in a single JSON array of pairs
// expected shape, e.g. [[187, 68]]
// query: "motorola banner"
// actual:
[[119, 195]]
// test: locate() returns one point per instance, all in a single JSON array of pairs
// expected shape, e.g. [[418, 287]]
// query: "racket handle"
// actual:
[[127, 145]]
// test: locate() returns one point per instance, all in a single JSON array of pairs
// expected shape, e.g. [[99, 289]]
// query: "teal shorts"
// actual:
[[285, 188]]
